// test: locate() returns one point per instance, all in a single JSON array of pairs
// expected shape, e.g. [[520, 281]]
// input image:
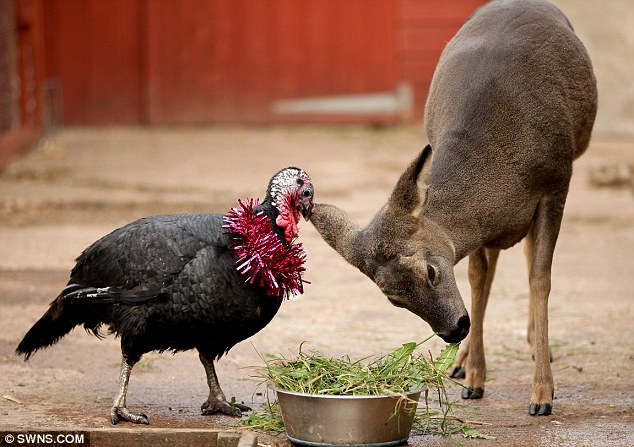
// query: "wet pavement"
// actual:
[[80, 184]]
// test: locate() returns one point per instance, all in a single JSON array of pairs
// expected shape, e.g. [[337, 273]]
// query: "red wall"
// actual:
[[95, 49], [423, 29], [228, 60], [21, 75], [200, 61]]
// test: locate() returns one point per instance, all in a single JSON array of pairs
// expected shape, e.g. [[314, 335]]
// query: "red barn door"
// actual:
[[231, 60], [262, 61]]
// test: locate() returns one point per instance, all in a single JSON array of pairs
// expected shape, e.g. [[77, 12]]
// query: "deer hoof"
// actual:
[[539, 409], [457, 372], [472, 393]]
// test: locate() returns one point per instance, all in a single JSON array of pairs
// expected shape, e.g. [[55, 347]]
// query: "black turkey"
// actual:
[[185, 281]]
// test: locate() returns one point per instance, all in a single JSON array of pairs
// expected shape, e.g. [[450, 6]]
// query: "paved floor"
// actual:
[[81, 183]]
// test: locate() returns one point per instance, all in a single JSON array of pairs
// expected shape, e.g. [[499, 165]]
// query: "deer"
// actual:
[[511, 104]]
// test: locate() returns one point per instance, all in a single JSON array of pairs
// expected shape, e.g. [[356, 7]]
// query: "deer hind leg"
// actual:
[[471, 360], [530, 330], [542, 239]]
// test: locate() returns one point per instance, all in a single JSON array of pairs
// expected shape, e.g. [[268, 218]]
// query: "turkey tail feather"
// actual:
[[104, 295], [46, 331], [63, 316]]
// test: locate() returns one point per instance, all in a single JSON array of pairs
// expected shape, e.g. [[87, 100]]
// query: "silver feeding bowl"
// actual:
[[321, 420]]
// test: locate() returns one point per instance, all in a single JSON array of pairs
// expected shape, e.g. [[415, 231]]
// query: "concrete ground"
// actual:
[[80, 184]]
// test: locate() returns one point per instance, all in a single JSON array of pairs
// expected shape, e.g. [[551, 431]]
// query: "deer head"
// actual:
[[407, 256]]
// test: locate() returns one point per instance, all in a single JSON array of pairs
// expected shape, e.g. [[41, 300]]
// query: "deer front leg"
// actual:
[[458, 372], [542, 237], [492, 255], [482, 265]]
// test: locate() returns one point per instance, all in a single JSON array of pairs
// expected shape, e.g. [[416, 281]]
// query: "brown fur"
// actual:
[[511, 105]]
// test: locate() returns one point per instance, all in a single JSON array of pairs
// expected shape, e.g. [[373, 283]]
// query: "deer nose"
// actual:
[[460, 332]]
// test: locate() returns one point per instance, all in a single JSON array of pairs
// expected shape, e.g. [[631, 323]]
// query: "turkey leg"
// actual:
[[119, 412], [217, 402]]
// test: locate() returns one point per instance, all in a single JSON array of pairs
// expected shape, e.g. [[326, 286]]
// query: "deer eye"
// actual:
[[431, 273]]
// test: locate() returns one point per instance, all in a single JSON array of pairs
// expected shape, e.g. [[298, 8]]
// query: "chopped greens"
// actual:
[[314, 373], [398, 372]]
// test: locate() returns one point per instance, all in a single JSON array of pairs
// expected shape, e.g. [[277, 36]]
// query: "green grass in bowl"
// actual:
[[399, 372]]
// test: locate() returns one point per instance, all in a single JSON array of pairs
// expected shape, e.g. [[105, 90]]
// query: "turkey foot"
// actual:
[[217, 402], [213, 405], [118, 414]]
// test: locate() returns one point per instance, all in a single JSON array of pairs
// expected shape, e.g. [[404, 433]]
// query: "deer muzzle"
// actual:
[[459, 332]]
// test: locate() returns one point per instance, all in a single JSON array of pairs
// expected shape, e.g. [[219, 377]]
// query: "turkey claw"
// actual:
[[241, 407], [118, 414], [212, 406]]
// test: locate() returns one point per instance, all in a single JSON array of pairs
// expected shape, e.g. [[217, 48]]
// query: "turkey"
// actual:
[[185, 281]]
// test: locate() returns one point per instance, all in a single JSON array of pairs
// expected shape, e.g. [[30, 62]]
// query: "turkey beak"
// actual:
[[307, 209], [306, 203]]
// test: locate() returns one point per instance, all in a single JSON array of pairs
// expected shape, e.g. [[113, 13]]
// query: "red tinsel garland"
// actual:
[[262, 257]]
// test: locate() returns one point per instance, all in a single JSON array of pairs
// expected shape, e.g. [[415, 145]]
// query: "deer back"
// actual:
[[511, 105]]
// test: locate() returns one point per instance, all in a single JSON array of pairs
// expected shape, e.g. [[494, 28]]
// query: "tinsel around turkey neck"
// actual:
[[262, 258]]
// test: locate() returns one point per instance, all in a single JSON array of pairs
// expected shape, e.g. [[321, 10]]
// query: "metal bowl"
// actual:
[[316, 420]]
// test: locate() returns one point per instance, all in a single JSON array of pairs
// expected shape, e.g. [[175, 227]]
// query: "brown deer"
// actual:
[[511, 105]]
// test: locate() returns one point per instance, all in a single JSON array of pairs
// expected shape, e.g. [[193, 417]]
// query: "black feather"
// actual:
[[102, 295], [161, 283], [169, 282]]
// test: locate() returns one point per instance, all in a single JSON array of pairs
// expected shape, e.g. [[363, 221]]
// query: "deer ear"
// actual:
[[410, 193], [339, 231]]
